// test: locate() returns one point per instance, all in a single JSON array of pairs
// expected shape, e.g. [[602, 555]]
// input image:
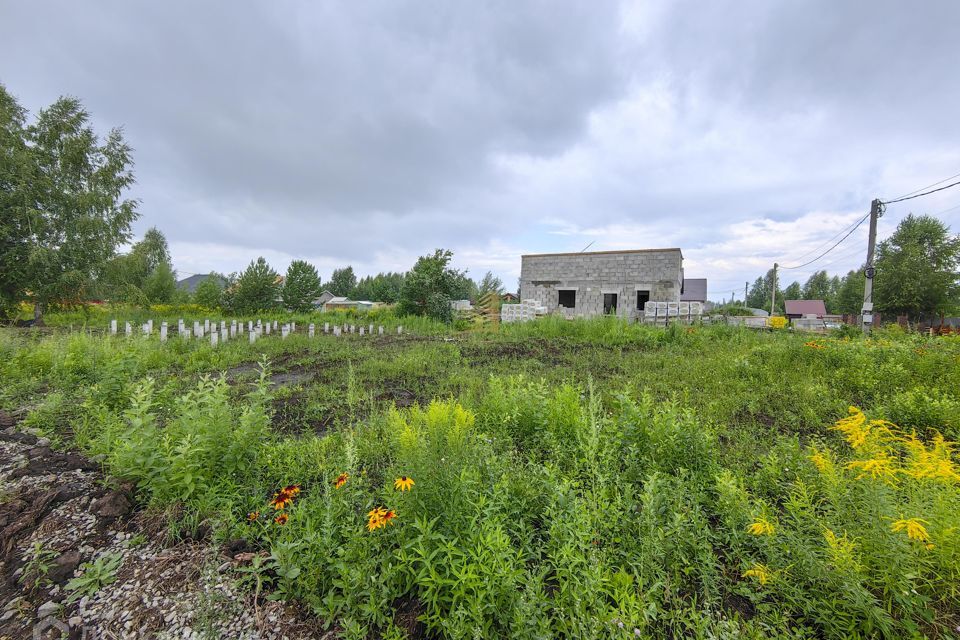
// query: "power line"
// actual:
[[925, 193], [856, 226], [823, 244], [957, 206], [910, 193], [837, 259]]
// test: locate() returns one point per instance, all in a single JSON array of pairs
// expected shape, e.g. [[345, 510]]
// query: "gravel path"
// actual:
[[63, 502]]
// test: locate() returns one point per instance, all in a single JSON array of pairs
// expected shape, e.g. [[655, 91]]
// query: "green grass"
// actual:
[[572, 479]]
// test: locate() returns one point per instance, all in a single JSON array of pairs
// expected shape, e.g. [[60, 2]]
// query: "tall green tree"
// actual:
[[65, 213], [15, 235], [430, 287], [161, 284], [124, 277], [301, 286], [464, 287], [209, 291], [817, 286], [342, 282], [831, 300], [849, 297], [383, 287], [793, 292], [758, 297], [489, 284], [916, 269], [257, 288]]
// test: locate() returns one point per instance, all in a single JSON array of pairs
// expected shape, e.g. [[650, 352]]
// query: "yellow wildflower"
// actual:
[[861, 434], [379, 517], [880, 467], [759, 572], [761, 527], [913, 527], [403, 483], [821, 460], [935, 463], [854, 427], [841, 549]]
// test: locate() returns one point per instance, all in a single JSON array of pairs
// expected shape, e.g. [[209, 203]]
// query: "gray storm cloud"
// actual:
[[373, 132]]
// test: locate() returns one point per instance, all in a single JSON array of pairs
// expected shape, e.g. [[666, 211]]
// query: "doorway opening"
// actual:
[[609, 303], [643, 297]]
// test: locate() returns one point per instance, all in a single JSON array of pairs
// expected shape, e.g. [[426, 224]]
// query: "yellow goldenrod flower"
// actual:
[[842, 549], [853, 427], [880, 467], [935, 463], [913, 527], [761, 527], [858, 432], [821, 460], [760, 573], [341, 480], [403, 483]]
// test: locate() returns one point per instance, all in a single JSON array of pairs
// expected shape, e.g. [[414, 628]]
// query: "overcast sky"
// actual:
[[369, 133]]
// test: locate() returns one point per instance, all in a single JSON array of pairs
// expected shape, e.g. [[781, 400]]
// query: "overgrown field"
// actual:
[[550, 480]]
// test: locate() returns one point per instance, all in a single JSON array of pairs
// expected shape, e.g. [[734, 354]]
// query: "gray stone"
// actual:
[[64, 566], [48, 608]]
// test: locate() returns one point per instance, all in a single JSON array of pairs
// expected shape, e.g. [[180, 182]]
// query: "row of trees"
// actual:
[[427, 289], [916, 275]]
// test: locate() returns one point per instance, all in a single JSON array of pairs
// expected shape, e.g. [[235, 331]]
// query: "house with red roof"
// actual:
[[800, 308]]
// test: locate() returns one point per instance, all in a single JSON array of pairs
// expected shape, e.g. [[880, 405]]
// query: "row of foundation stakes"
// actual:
[[224, 332]]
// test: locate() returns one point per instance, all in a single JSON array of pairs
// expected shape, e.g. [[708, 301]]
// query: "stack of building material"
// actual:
[[522, 312]]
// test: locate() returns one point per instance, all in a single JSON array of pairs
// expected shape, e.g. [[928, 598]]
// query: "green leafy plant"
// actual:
[[94, 576], [39, 560]]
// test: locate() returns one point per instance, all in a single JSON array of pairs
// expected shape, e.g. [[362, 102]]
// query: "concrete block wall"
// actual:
[[659, 271]]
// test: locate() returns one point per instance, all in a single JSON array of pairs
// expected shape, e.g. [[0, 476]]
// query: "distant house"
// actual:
[[190, 284], [339, 303], [324, 298], [694, 290], [800, 308], [509, 298]]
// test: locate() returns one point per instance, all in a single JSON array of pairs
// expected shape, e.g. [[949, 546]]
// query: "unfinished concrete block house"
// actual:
[[602, 282]]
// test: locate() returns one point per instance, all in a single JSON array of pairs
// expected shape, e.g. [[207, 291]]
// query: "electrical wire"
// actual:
[[846, 256], [925, 193], [910, 193], [957, 206], [855, 227], [823, 244]]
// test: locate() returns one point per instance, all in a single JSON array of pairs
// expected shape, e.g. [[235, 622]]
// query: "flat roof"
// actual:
[[600, 253]]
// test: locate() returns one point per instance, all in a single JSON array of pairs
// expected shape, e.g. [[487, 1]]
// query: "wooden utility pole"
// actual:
[[773, 290], [746, 285], [866, 312]]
